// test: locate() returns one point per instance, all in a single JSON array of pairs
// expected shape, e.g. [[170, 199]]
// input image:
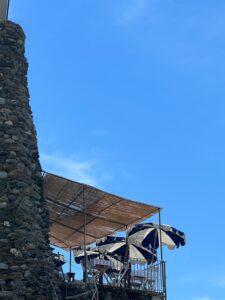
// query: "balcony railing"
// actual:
[[138, 275]]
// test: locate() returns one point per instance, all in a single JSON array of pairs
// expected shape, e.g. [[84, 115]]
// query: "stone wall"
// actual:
[[107, 292], [26, 263]]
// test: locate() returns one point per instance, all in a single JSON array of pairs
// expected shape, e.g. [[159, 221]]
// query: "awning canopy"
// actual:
[[72, 204]]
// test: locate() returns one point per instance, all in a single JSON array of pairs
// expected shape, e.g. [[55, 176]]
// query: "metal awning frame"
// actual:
[[83, 229], [83, 211]]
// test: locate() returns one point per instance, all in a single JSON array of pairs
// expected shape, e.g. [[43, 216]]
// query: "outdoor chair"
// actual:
[[92, 273], [118, 277], [142, 280], [113, 277], [70, 276]]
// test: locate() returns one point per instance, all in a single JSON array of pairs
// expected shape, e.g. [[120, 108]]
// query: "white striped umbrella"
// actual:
[[92, 253], [119, 246], [148, 235]]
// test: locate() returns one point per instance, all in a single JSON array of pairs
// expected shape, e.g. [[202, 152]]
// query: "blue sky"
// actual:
[[128, 95]]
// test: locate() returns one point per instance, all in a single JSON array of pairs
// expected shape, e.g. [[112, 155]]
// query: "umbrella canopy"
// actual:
[[119, 246], [79, 254], [148, 234], [92, 253]]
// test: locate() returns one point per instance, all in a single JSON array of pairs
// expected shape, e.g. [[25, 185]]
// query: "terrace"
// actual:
[[81, 215]]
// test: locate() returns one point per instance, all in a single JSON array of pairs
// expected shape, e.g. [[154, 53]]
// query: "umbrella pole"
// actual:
[[160, 236], [128, 261], [162, 264]]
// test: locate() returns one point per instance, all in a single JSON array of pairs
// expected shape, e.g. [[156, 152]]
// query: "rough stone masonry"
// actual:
[[26, 261]]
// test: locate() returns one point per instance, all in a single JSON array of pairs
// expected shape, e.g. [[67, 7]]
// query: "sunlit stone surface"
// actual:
[[26, 264]]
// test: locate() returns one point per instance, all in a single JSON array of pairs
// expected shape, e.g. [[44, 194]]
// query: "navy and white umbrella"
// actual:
[[92, 253], [79, 254], [119, 246], [148, 235]]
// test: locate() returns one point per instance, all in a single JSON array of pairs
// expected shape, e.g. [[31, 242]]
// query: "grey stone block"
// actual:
[[3, 266], [2, 101], [3, 175]]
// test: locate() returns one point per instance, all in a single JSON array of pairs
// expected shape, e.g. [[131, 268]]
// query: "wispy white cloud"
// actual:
[[84, 171], [202, 298], [133, 10], [219, 281], [210, 24], [197, 60], [99, 132]]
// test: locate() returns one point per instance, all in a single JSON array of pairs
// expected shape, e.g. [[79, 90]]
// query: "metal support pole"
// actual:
[[160, 237], [164, 273], [127, 261], [163, 266], [85, 234], [70, 259]]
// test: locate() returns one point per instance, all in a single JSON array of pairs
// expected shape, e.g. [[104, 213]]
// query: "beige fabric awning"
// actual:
[[67, 201]]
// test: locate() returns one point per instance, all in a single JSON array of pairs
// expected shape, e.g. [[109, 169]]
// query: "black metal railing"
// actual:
[[136, 274]]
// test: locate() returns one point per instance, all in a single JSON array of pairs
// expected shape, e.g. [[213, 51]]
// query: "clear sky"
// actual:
[[129, 96]]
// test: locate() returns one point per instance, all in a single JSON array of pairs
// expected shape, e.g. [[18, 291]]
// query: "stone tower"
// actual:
[[26, 262]]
